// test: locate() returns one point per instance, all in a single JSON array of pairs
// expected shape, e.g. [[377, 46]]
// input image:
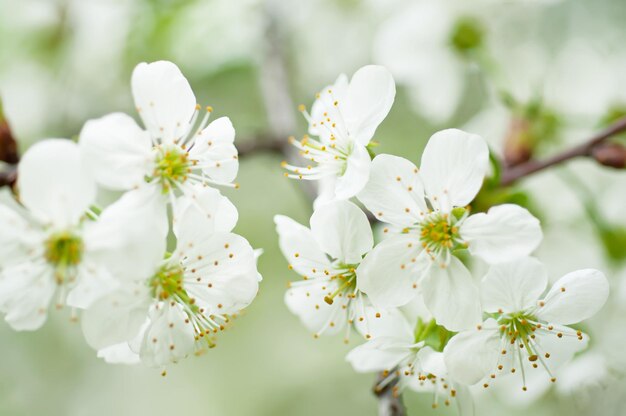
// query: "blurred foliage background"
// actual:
[[65, 61]]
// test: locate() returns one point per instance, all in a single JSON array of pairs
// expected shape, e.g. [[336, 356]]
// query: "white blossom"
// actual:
[[54, 253], [344, 118], [429, 222], [524, 332], [189, 296], [327, 256], [173, 152]]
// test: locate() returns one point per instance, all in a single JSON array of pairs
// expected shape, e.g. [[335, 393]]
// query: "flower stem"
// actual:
[[520, 171]]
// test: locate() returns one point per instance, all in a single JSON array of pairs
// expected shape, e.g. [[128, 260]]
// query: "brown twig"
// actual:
[[515, 173], [389, 401], [262, 144]]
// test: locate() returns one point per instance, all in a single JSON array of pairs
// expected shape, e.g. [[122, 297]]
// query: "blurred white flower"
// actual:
[[523, 331], [344, 117], [52, 247], [327, 256], [189, 296], [403, 356], [171, 154], [425, 45], [429, 222]]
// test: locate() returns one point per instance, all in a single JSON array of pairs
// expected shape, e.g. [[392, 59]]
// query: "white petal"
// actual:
[[369, 98], [324, 108], [451, 295], [18, 237], [453, 167], [342, 230], [513, 286], [94, 282], [117, 317], [388, 274], [379, 354], [54, 183], [504, 233], [432, 362], [214, 147], [575, 297], [163, 98], [25, 294], [226, 266], [356, 175], [384, 322], [300, 248], [119, 354], [201, 212], [128, 239], [394, 193], [306, 301], [440, 69], [471, 355], [117, 151], [168, 338]]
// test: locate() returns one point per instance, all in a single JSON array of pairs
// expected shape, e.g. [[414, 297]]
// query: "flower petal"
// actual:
[[356, 174], [54, 183], [213, 148], [129, 237], [324, 108], [202, 212], [513, 286], [342, 230], [389, 272], [383, 322], [451, 295], [300, 248], [225, 265], [94, 282], [306, 301], [169, 336], [369, 98], [117, 151], [471, 355], [432, 362], [574, 297], [119, 354], [164, 99], [18, 237], [26, 290], [394, 193], [378, 354], [116, 317], [453, 167], [504, 233]]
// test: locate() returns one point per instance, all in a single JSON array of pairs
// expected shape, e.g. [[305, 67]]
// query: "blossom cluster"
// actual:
[[155, 275], [428, 324]]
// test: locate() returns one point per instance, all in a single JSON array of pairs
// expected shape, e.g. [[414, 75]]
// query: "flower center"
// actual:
[[438, 232], [64, 251], [467, 34], [171, 166], [347, 284], [167, 284]]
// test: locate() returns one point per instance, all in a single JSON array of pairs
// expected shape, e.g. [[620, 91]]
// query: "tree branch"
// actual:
[[389, 401], [515, 173]]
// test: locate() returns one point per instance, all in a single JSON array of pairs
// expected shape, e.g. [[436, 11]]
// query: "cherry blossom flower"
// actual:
[[524, 332], [172, 153], [52, 251], [429, 223], [344, 118], [327, 256], [186, 298]]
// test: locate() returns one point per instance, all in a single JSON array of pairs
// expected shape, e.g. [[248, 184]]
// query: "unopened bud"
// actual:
[[610, 154]]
